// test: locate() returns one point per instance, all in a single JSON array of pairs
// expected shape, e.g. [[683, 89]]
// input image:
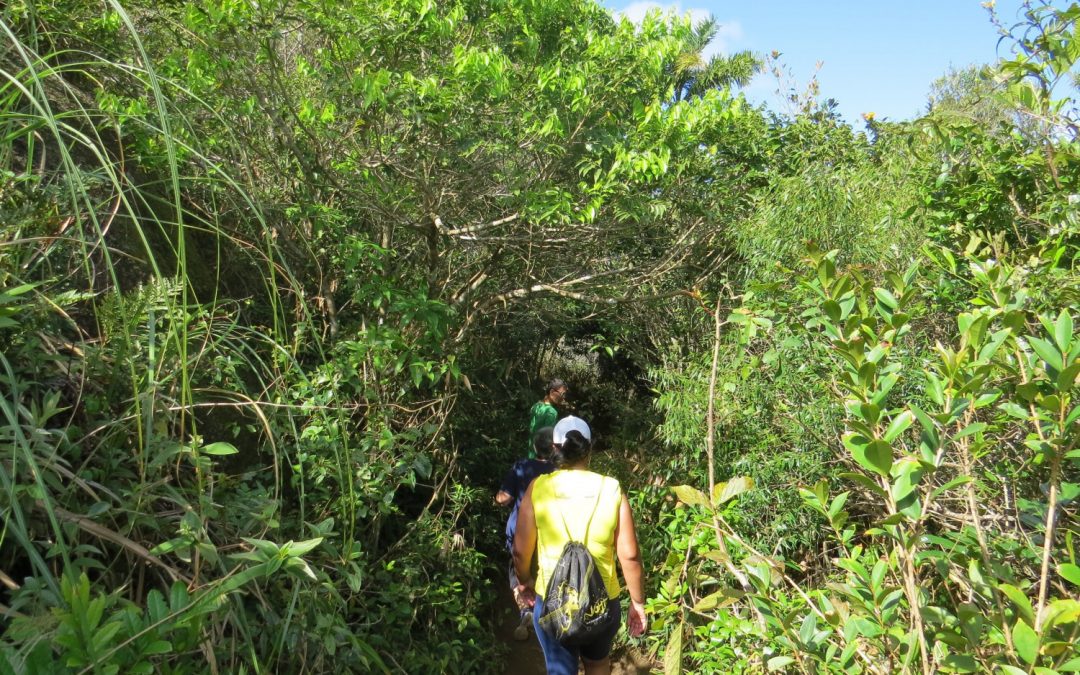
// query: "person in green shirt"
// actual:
[[543, 413]]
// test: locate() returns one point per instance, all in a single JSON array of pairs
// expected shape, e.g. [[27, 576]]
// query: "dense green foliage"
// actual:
[[278, 280], [945, 349]]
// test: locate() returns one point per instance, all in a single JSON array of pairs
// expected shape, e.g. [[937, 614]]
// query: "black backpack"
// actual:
[[576, 599]]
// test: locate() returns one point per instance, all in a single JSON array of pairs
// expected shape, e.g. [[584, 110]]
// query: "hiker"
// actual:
[[574, 501], [543, 413], [513, 487]]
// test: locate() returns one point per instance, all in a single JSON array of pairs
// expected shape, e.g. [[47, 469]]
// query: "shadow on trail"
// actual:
[[524, 657]]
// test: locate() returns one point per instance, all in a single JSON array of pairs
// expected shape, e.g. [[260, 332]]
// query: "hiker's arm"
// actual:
[[626, 546], [525, 540], [505, 495]]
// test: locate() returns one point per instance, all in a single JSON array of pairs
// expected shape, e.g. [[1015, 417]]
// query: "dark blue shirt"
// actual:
[[516, 482]]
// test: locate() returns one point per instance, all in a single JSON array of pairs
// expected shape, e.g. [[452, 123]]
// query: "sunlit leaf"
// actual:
[[723, 492], [673, 653], [219, 448], [778, 662], [691, 495], [1070, 572], [1046, 351], [1026, 641]]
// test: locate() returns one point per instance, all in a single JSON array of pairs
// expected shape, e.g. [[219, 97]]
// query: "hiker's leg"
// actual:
[[598, 667], [596, 655], [559, 659]]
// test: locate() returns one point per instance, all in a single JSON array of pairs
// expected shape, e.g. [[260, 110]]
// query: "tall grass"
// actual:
[[109, 353]]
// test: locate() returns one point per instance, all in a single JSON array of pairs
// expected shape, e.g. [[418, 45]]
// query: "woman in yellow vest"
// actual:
[[574, 501]]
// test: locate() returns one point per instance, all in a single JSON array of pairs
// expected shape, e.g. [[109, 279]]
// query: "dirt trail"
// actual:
[[526, 658]]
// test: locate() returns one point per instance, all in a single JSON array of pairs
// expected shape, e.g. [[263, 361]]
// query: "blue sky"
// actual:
[[876, 56]]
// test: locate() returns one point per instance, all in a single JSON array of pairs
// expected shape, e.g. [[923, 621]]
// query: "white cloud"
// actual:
[[729, 32]]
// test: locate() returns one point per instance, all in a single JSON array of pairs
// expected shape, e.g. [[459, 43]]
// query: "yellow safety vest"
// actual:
[[567, 502]]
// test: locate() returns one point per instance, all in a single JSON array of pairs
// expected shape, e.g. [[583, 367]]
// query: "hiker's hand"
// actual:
[[636, 622], [525, 594]]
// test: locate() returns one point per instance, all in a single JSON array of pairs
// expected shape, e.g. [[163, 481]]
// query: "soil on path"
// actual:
[[526, 658]]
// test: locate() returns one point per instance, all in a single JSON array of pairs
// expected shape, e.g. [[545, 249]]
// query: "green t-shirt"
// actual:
[[540, 415]]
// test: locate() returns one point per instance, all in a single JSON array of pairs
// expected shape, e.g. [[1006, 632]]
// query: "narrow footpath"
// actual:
[[526, 658]]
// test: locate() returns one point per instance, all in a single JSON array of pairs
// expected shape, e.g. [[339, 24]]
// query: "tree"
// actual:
[[694, 74]]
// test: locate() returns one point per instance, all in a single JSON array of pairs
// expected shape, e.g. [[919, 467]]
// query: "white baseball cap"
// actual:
[[568, 424]]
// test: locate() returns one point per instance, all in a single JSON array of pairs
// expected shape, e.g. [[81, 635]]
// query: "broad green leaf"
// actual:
[[886, 298], [877, 575], [299, 567], [880, 455], [935, 389], [104, 635], [849, 652], [178, 596], [866, 482], [837, 504], [993, 344], [873, 455], [1020, 601], [1066, 379], [155, 605], [808, 628], [422, 466], [1070, 572], [1014, 410], [219, 448], [894, 519], [855, 567], [1050, 403], [909, 474], [986, 399], [971, 622], [18, 290], [721, 598], [267, 548], [885, 385], [832, 310], [898, 425], [299, 548], [1046, 351], [923, 418], [691, 496], [1026, 641], [961, 663], [973, 428], [1061, 613], [673, 653], [1063, 331], [778, 662], [157, 647], [1072, 418]]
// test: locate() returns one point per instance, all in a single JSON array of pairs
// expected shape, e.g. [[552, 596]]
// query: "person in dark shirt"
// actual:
[[513, 488]]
